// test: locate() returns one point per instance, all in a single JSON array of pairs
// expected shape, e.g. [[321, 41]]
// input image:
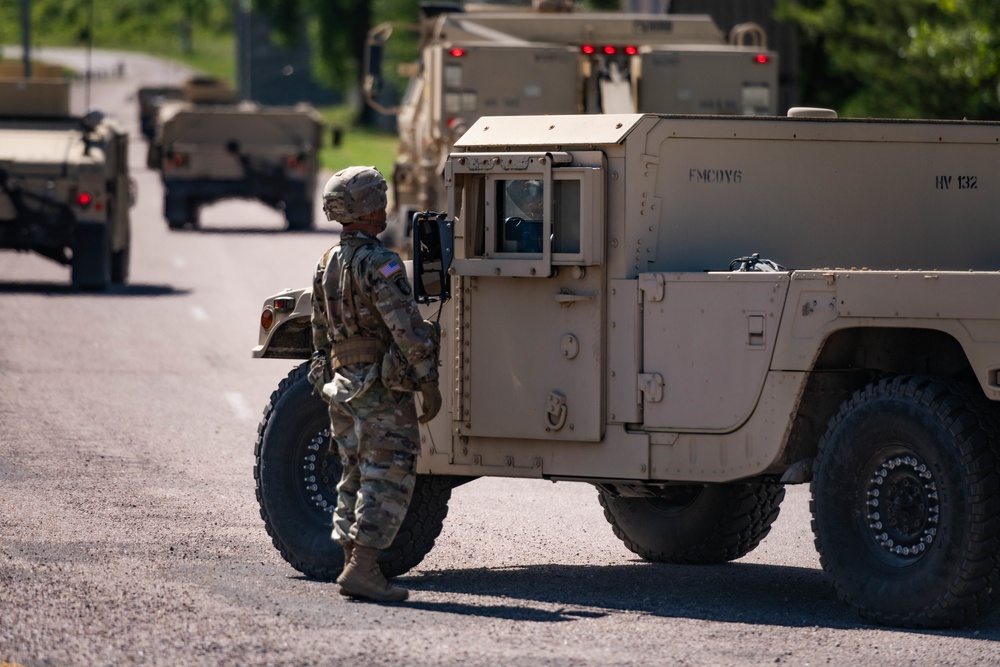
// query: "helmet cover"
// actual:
[[354, 192]]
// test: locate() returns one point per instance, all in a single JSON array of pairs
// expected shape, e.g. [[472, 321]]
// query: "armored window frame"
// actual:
[[568, 234]]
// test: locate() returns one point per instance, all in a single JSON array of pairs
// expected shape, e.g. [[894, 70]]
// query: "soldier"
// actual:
[[373, 352]]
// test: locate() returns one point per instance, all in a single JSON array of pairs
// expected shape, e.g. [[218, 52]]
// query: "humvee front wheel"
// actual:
[[905, 503], [695, 524], [297, 470]]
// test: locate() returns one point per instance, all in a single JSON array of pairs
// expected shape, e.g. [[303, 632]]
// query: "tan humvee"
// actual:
[[65, 190], [208, 147], [610, 321], [491, 59]]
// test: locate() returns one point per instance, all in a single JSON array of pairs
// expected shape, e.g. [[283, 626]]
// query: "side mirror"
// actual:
[[433, 250]]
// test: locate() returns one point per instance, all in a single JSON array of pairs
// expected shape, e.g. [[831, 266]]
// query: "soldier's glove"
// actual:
[[432, 401], [319, 370]]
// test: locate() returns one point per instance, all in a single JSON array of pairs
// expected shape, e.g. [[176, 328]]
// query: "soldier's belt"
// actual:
[[357, 351]]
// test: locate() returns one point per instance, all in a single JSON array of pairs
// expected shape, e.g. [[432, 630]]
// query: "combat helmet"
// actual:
[[354, 192]]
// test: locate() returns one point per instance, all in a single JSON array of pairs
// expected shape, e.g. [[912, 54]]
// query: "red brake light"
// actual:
[[588, 49], [456, 52], [83, 199], [762, 58], [610, 50], [631, 50]]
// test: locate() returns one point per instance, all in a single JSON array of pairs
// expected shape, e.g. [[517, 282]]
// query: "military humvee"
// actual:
[[149, 99], [209, 147], [65, 190], [621, 314]]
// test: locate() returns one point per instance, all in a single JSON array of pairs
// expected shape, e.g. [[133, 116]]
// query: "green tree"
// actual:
[[906, 58]]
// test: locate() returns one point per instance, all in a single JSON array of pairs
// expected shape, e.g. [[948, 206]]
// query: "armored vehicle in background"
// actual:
[[65, 191], [551, 59], [208, 147], [608, 324], [150, 98]]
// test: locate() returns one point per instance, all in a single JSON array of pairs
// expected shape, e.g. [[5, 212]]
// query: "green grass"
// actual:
[[358, 145]]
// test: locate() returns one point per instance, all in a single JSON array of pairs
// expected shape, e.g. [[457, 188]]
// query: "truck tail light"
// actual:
[[609, 50], [762, 59], [456, 52], [175, 160], [83, 199]]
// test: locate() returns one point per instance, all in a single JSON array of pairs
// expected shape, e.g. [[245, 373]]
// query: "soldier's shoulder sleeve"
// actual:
[[386, 270]]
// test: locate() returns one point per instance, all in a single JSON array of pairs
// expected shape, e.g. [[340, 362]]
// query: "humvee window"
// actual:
[[520, 214], [520, 210], [531, 213]]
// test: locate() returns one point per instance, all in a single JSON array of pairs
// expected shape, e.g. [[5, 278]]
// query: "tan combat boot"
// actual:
[[362, 578], [348, 547]]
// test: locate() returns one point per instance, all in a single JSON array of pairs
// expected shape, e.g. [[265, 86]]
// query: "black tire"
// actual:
[[695, 524], [175, 210], [91, 266], [119, 266], [193, 215], [296, 502], [905, 503], [299, 214]]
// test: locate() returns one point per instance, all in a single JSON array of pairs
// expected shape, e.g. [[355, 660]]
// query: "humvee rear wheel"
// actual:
[[905, 503], [92, 258], [696, 524], [299, 214], [296, 471], [119, 266]]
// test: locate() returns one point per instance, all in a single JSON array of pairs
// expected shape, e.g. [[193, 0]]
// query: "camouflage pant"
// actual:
[[376, 434]]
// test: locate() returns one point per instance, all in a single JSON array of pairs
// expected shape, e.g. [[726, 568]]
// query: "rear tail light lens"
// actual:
[[83, 199]]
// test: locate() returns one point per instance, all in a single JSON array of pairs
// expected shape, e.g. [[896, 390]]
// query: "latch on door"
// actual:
[[555, 412], [651, 385]]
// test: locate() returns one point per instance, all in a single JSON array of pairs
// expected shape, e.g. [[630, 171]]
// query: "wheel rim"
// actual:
[[903, 510], [321, 470]]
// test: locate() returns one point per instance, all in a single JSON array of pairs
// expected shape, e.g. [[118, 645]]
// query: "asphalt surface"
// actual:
[[130, 535]]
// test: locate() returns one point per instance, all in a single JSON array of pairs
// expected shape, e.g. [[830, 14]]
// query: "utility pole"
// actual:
[[26, 36]]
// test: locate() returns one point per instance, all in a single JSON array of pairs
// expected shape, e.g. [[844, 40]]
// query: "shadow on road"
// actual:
[[257, 231], [732, 593], [64, 289]]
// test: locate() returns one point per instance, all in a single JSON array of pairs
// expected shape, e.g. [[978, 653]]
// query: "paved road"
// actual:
[[129, 532]]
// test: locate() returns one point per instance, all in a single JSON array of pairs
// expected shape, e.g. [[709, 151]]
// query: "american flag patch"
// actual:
[[392, 268]]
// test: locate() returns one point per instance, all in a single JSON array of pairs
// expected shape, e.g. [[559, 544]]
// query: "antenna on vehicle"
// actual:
[[90, 48]]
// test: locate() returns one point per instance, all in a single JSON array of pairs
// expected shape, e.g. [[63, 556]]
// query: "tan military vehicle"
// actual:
[[149, 99], [551, 59], [65, 190], [609, 324], [209, 147]]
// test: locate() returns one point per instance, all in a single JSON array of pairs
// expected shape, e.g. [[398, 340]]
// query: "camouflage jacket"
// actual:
[[360, 289]]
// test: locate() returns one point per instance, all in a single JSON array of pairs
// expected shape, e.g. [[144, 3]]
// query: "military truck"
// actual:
[[65, 191], [501, 60], [690, 313], [209, 147]]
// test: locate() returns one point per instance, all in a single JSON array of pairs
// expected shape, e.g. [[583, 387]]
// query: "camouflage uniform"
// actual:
[[361, 294]]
